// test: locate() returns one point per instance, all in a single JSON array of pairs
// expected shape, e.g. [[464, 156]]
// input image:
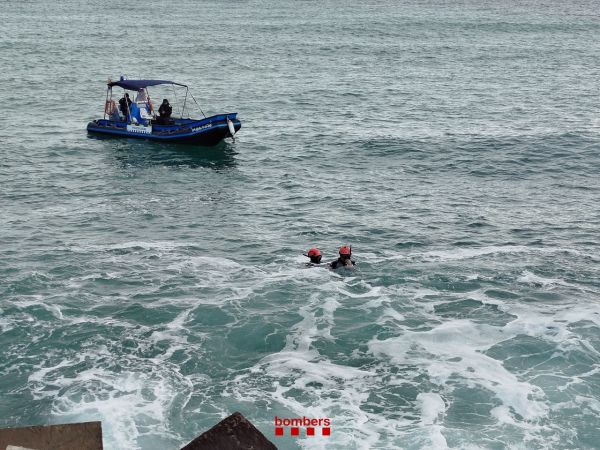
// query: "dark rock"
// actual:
[[73, 436], [232, 433]]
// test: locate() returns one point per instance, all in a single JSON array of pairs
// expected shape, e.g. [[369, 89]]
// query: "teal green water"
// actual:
[[158, 288]]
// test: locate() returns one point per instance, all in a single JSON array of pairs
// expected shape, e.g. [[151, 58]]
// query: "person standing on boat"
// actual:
[[165, 111], [141, 96], [344, 260], [143, 100], [110, 108], [125, 105]]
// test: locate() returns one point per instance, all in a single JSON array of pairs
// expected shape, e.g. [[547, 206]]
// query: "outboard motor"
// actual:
[[231, 129]]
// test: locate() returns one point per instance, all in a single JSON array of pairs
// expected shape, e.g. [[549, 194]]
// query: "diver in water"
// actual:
[[344, 260], [315, 257]]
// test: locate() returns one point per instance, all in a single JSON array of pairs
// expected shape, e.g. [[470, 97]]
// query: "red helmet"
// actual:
[[314, 252], [345, 250]]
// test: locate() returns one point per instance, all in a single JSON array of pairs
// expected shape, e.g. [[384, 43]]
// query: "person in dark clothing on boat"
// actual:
[[344, 260], [125, 105], [164, 112], [315, 256]]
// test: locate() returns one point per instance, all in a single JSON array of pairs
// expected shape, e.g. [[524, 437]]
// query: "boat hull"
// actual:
[[206, 132]]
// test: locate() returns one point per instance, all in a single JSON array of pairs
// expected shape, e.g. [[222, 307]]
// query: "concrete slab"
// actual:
[[73, 436], [232, 433]]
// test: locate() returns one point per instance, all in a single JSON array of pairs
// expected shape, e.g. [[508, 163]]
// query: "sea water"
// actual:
[[157, 288]]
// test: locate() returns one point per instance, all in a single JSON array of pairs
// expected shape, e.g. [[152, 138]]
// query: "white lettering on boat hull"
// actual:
[[139, 129], [208, 125]]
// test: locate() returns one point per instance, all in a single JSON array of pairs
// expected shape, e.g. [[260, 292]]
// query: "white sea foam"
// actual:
[[372, 292], [457, 254], [424, 292], [450, 353], [591, 403], [528, 277], [206, 262], [40, 374], [130, 402], [332, 390], [144, 245], [503, 415], [468, 253], [458, 348], [104, 275], [5, 325], [38, 300], [432, 407], [390, 314], [453, 352], [173, 334]]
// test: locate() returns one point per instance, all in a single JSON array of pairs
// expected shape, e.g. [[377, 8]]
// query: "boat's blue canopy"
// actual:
[[136, 85]]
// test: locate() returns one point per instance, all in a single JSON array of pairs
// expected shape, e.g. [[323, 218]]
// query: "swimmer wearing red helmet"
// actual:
[[345, 258], [315, 256]]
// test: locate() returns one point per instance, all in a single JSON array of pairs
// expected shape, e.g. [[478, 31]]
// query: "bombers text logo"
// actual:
[[310, 426]]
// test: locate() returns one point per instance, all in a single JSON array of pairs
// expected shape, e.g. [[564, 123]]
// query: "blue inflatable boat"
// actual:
[[141, 119]]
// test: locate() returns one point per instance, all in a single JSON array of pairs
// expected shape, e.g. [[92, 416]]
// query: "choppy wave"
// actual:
[[160, 288]]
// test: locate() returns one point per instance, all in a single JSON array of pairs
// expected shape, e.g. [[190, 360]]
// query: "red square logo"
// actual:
[[278, 431], [310, 431], [295, 431], [326, 431]]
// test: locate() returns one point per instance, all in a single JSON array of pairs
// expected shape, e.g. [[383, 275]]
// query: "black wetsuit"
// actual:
[[165, 111], [312, 264], [340, 263], [124, 105]]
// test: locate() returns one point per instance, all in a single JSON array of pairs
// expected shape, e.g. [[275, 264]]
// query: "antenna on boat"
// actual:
[[187, 89], [108, 89], [197, 105], [175, 95]]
